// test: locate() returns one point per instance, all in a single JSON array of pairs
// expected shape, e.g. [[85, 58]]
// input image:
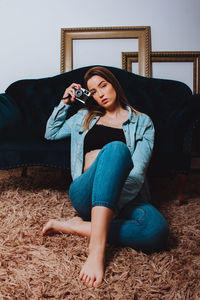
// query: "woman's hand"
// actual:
[[69, 94]]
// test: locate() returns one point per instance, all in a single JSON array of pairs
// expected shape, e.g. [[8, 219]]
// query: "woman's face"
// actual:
[[102, 91]]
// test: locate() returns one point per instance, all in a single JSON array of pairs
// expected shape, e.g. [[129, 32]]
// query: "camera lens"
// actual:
[[78, 93]]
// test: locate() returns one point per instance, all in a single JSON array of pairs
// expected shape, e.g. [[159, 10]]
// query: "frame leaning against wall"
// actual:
[[143, 34], [187, 56]]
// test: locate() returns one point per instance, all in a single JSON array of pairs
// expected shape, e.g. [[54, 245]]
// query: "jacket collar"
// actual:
[[131, 116]]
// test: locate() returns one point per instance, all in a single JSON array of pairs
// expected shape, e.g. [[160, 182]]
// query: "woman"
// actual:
[[111, 145]]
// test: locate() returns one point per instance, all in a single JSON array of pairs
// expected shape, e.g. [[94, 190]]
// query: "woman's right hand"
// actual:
[[69, 94]]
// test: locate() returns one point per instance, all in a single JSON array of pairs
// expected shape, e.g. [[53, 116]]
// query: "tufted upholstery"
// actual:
[[27, 104]]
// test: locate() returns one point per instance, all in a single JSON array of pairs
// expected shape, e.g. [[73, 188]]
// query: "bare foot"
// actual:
[[70, 226], [93, 270]]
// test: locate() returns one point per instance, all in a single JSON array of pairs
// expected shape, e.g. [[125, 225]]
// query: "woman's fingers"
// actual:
[[69, 94]]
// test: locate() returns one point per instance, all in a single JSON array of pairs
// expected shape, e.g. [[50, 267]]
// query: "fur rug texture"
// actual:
[[37, 267]]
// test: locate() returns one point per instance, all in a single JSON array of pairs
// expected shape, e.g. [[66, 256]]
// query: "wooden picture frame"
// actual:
[[178, 56], [143, 34]]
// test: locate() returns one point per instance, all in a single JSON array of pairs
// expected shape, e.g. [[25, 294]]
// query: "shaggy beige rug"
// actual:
[[36, 267]]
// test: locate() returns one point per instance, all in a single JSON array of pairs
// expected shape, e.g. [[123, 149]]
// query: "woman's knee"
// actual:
[[157, 232], [116, 145], [71, 191], [80, 201], [118, 149], [154, 229]]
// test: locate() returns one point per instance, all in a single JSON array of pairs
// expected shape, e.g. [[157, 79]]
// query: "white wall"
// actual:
[[30, 29]]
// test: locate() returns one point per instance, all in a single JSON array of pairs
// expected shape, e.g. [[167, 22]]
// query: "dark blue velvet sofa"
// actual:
[[27, 104]]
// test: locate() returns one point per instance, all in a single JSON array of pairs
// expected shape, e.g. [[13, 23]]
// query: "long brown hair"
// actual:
[[94, 109]]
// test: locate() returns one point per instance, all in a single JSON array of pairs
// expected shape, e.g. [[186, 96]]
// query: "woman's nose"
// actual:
[[101, 94]]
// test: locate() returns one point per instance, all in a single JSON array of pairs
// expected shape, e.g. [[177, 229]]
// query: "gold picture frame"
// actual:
[[176, 56], [142, 33]]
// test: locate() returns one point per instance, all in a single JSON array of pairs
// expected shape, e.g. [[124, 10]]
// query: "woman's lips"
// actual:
[[104, 101]]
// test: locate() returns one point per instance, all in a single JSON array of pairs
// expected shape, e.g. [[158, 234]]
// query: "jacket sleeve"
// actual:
[[141, 157], [57, 126]]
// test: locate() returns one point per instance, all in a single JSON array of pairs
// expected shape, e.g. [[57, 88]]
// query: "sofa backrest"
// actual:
[[36, 98]]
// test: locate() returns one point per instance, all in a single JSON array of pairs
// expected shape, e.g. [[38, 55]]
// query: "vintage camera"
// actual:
[[81, 94]]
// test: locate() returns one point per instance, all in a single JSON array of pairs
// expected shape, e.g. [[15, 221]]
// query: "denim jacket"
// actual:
[[139, 133]]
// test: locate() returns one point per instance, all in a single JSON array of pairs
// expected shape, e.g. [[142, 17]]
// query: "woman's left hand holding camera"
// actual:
[[69, 94]]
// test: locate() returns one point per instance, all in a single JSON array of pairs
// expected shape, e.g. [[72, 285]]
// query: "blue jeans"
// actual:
[[140, 226]]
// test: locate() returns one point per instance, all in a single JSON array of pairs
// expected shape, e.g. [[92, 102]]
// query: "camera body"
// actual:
[[82, 94]]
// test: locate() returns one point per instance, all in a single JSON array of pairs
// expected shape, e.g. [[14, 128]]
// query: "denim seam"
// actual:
[[94, 186]]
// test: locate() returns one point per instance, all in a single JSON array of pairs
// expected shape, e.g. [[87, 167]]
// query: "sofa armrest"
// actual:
[[10, 117]]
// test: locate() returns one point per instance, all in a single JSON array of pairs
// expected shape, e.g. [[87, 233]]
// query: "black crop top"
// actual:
[[101, 135]]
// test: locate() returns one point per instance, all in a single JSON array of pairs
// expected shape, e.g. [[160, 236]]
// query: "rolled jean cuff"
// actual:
[[105, 204]]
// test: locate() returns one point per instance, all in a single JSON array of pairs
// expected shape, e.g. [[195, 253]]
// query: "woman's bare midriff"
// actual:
[[90, 158]]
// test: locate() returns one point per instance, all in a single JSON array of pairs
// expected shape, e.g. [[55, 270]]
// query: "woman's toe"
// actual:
[[87, 280], [91, 282], [97, 282], [84, 278], [81, 275]]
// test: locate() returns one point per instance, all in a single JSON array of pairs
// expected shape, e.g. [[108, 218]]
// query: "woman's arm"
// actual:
[[141, 158], [57, 126]]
